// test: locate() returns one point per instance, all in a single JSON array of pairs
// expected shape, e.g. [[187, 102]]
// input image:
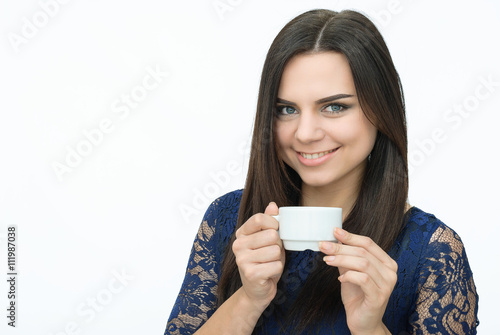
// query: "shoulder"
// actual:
[[233, 197], [424, 236], [221, 218], [440, 238], [225, 205], [428, 226], [417, 216], [430, 240]]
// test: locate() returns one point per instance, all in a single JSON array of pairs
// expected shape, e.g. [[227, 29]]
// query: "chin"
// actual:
[[318, 182]]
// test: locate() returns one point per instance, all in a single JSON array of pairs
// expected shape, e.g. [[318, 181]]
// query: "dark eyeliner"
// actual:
[[280, 107], [344, 107]]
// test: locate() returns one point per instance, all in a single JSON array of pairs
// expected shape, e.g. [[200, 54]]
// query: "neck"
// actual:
[[342, 194]]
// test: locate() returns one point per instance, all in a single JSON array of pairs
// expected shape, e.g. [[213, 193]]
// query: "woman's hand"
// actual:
[[260, 256], [367, 275]]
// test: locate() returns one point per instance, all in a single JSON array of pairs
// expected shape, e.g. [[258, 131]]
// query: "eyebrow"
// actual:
[[320, 101]]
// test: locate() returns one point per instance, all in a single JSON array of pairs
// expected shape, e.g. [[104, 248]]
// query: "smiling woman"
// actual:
[[333, 102]]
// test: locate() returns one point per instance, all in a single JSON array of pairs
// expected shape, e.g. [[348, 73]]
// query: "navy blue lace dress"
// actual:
[[435, 292]]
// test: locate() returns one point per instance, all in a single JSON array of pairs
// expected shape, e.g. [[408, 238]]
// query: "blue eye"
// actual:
[[335, 108], [285, 110]]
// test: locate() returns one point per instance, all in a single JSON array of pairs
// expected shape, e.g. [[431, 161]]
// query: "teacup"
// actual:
[[303, 227]]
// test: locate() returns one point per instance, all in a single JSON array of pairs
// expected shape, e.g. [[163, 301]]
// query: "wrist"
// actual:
[[251, 304]]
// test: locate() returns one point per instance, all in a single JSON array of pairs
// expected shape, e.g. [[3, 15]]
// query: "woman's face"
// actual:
[[320, 128]]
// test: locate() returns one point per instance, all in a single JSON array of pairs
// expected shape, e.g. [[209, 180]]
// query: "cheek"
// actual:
[[281, 135], [284, 136], [371, 132], [358, 132]]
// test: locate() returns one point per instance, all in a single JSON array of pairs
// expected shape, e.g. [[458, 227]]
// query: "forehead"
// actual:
[[314, 76]]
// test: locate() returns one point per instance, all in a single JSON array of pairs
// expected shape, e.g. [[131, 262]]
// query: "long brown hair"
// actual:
[[379, 208]]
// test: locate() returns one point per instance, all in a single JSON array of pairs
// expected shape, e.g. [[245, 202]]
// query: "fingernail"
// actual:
[[341, 277], [328, 259], [325, 246], [340, 231]]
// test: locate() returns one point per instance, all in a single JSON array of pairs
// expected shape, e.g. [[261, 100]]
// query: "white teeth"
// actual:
[[314, 156]]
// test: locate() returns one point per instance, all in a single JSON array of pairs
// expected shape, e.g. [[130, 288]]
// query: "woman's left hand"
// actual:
[[367, 275]]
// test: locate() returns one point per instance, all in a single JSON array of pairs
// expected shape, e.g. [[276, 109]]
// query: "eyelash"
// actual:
[[342, 106]]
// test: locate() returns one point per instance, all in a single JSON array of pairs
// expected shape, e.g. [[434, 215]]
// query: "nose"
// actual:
[[309, 127]]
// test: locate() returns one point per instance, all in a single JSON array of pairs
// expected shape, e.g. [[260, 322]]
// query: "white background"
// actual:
[[120, 207]]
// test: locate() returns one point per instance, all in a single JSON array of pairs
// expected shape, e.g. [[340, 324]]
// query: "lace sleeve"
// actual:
[[447, 300], [196, 301]]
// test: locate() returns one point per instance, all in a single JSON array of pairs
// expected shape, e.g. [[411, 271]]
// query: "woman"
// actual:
[[330, 130]]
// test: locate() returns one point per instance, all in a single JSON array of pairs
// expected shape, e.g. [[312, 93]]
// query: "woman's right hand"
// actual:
[[260, 256]]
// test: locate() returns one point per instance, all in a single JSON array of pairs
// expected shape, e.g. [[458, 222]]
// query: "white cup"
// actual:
[[303, 227]]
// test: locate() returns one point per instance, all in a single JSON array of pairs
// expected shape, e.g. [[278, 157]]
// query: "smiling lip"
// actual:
[[316, 158]]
